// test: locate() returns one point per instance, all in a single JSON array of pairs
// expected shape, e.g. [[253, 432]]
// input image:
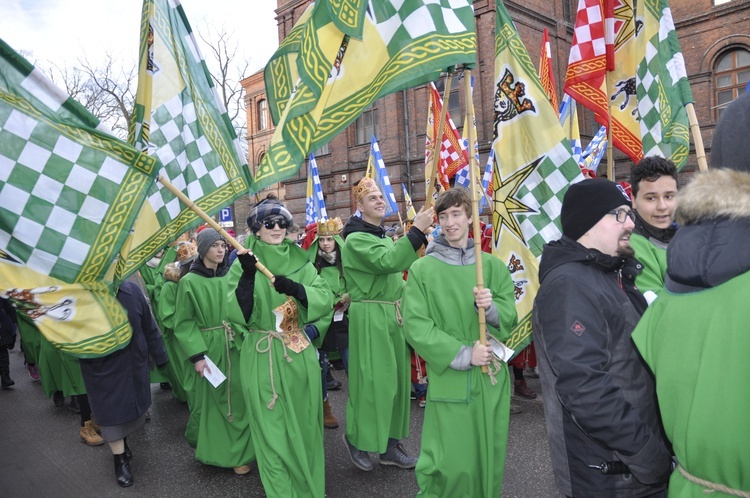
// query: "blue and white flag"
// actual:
[[569, 122], [316, 206], [487, 180], [380, 175], [595, 150]]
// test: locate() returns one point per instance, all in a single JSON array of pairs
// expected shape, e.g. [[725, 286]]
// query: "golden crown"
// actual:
[[364, 187], [329, 228]]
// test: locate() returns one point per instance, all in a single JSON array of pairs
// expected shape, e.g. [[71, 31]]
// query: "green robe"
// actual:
[[337, 284], [379, 366], [202, 304], [686, 339], [59, 371], [654, 261], [465, 431], [178, 366], [154, 280], [287, 429], [31, 338]]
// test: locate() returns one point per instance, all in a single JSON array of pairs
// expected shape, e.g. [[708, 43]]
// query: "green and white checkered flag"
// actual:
[[69, 195], [662, 86], [534, 167], [404, 43], [180, 119]]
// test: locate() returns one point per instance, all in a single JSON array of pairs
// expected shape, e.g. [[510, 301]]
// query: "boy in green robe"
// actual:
[[465, 431], [218, 426], [279, 365], [377, 414], [654, 184]]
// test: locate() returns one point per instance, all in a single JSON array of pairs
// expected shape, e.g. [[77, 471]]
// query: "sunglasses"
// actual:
[[269, 224]]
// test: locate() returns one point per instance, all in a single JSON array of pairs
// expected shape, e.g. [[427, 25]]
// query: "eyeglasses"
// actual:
[[269, 224], [623, 214]]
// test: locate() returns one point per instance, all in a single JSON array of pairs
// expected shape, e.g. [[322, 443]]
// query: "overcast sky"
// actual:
[[62, 30]]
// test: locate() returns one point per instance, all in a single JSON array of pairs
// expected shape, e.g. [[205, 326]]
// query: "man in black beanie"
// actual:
[[599, 403]]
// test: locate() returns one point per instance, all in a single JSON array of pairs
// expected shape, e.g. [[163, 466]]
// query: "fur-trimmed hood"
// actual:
[[717, 193], [710, 248]]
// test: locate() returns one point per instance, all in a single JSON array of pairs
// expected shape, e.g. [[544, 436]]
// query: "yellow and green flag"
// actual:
[[179, 119], [404, 43], [535, 168], [69, 195]]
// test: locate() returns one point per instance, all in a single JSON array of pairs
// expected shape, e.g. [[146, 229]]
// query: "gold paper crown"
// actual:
[[186, 251], [329, 228], [364, 187]]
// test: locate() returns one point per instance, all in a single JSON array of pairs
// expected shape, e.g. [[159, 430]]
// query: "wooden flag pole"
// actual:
[[700, 152], [185, 200], [610, 165], [437, 145], [475, 208]]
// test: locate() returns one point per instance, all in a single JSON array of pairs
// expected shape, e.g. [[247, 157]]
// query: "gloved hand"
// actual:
[[285, 285], [312, 332], [248, 260]]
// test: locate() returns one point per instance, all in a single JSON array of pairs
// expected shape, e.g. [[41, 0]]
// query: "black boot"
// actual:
[[128, 454], [5, 380], [122, 471]]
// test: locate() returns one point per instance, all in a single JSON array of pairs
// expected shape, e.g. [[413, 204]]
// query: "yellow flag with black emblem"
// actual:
[[534, 168]]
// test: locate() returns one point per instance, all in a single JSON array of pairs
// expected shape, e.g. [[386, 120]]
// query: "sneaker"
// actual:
[[89, 435], [515, 408], [396, 455], [74, 405], [33, 372], [360, 459], [521, 390], [242, 470], [531, 373], [422, 401], [58, 399], [165, 386]]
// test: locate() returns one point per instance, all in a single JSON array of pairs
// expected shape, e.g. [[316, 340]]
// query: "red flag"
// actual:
[[545, 72], [452, 156], [592, 54]]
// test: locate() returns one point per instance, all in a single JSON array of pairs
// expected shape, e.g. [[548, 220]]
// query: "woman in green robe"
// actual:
[[165, 318], [218, 425], [279, 366]]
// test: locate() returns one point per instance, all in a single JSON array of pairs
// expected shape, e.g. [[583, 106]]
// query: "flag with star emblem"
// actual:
[[601, 72], [662, 86], [180, 119], [69, 195], [533, 168]]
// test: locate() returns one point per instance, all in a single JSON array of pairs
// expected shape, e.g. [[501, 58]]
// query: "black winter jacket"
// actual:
[[599, 399]]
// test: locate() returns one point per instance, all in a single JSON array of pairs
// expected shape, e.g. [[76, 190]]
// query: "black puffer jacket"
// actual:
[[599, 398]]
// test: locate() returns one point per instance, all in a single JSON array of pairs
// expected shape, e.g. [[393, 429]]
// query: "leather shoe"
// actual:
[[396, 455], [360, 459], [522, 390], [122, 471]]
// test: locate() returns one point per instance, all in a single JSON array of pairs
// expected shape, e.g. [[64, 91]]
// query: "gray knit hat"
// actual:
[[206, 239], [731, 144], [265, 209]]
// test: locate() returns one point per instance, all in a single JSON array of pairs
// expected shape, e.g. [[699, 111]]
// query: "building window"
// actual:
[[454, 103], [262, 114], [570, 11], [731, 77], [366, 125], [322, 151]]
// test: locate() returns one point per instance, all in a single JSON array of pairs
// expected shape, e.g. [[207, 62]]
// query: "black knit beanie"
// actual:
[[586, 202], [731, 144]]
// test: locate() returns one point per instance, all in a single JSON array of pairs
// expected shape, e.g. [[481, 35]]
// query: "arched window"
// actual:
[[731, 76], [262, 114]]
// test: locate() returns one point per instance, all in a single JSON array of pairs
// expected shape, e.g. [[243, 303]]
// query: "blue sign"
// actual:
[[225, 214]]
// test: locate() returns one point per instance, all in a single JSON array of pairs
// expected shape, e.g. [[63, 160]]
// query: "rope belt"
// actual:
[[712, 486], [494, 367], [268, 337], [228, 337], [396, 304]]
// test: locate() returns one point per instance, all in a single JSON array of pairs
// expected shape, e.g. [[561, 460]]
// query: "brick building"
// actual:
[[717, 59]]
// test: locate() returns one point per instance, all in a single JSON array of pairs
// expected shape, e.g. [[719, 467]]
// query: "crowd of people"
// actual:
[[639, 335]]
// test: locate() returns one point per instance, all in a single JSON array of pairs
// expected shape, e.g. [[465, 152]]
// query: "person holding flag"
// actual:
[[377, 414], [465, 431]]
